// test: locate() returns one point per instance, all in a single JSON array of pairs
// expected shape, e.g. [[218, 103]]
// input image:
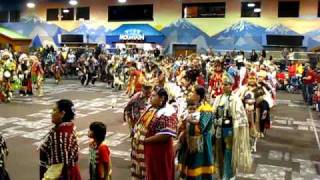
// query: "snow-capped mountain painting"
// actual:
[[280, 29], [33, 27], [184, 32], [242, 35], [311, 43], [94, 35], [315, 34], [243, 27], [313, 38], [310, 39]]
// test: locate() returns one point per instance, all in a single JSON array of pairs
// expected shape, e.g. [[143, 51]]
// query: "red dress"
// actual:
[[159, 156], [216, 84], [137, 83]]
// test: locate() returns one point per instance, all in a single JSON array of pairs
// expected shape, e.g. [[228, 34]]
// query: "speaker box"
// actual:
[[72, 38], [282, 40]]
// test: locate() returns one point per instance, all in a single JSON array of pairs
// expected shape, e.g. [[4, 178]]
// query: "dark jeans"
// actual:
[[91, 77], [307, 92]]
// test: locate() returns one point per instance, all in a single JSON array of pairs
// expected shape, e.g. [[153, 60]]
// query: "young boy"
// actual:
[[99, 153]]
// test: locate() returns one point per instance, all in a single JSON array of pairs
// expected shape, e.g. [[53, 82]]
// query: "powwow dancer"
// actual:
[[231, 132], [37, 75]]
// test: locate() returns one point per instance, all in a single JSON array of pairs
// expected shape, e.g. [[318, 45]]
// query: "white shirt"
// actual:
[[71, 58], [240, 58]]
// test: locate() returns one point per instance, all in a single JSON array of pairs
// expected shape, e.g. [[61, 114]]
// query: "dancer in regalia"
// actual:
[[137, 105], [57, 70], [24, 73], [215, 83], [37, 75], [263, 121], [136, 80], [195, 153], [152, 144], [231, 133], [247, 95], [7, 68]]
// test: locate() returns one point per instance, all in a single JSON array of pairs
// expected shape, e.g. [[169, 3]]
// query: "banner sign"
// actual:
[[132, 34]]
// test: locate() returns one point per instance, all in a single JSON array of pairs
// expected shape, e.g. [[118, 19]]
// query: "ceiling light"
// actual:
[[122, 1], [73, 2], [31, 5], [65, 11], [251, 4], [257, 10]]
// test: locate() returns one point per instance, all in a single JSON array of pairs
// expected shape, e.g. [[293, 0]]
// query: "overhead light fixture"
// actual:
[[256, 10], [65, 11], [122, 1], [31, 5], [73, 2], [251, 4]]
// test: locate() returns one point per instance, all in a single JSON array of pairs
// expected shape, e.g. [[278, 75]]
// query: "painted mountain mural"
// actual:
[[33, 27], [94, 35], [242, 36], [315, 34], [184, 32], [313, 38], [309, 40], [280, 29]]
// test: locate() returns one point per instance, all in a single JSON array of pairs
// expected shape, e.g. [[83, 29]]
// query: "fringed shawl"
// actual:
[[241, 155], [61, 146]]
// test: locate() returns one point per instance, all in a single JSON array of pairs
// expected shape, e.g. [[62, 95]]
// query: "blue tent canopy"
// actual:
[[140, 32]]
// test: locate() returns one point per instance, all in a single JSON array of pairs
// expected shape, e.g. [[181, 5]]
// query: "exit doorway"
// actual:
[[184, 49]]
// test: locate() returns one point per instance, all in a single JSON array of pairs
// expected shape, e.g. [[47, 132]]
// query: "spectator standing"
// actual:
[[253, 57], [71, 59], [292, 71], [309, 78]]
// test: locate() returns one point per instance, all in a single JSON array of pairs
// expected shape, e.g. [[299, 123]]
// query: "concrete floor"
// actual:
[[289, 151]]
